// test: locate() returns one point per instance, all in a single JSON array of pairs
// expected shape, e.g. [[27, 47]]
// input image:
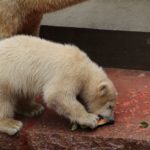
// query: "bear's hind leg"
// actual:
[[28, 107]]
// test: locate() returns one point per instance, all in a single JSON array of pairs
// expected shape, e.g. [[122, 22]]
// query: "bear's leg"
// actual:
[[28, 107], [45, 6], [7, 123], [71, 108]]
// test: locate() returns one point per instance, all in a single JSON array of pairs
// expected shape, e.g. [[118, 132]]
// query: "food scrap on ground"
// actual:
[[144, 124]]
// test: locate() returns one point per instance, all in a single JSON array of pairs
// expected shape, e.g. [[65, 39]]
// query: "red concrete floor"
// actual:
[[50, 131]]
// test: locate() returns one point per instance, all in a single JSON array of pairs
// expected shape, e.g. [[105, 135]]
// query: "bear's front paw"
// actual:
[[10, 126], [89, 120]]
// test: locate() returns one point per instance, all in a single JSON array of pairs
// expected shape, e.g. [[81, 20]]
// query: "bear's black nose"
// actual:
[[100, 116]]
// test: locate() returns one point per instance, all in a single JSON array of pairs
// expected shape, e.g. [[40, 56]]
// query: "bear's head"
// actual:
[[100, 96]]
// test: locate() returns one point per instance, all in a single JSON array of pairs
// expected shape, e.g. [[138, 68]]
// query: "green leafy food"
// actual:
[[74, 127], [144, 124]]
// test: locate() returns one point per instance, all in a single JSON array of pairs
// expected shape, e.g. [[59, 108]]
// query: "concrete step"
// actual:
[[50, 131], [124, 15]]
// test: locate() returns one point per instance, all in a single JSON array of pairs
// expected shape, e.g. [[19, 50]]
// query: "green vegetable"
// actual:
[[144, 124], [74, 127]]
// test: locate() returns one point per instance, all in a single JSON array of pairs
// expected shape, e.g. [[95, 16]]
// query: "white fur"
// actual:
[[24, 16], [31, 66]]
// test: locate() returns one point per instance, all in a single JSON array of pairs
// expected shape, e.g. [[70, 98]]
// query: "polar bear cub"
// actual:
[[30, 66]]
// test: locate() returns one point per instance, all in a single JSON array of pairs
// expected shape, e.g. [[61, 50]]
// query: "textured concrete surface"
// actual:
[[50, 131], [128, 15]]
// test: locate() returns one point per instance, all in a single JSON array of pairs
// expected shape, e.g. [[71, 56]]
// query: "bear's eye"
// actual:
[[110, 107]]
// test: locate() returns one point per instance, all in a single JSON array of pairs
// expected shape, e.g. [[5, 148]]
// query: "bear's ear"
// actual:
[[103, 89]]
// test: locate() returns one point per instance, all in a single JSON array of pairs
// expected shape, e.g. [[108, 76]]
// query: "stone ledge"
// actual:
[[50, 131]]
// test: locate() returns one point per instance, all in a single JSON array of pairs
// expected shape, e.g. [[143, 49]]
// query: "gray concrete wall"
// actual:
[[130, 15]]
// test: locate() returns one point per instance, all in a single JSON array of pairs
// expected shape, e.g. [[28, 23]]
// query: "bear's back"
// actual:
[[38, 55]]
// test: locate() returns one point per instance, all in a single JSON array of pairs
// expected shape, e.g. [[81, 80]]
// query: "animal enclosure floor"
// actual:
[[133, 104], [50, 131]]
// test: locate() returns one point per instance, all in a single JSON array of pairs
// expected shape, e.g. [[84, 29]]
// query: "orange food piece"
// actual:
[[102, 121]]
